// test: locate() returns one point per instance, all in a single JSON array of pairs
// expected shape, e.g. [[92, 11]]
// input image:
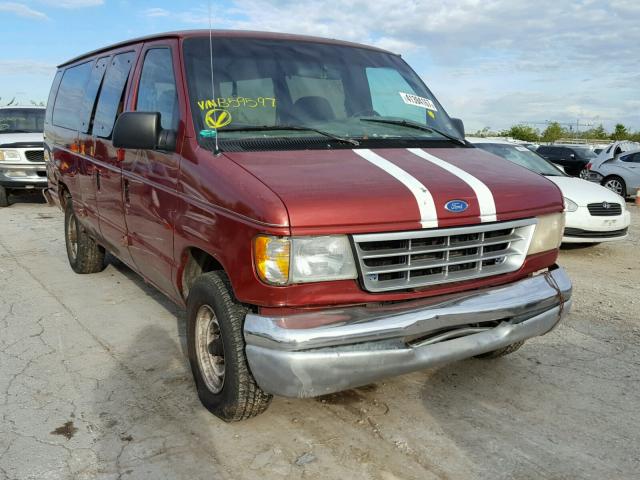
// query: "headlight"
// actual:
[[548, 233], [9, 156], [286, 260], [570, 205]]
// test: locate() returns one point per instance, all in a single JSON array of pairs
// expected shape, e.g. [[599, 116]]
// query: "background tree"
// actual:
[[523, 132], [597, 133], [620, 132], [554, 132]]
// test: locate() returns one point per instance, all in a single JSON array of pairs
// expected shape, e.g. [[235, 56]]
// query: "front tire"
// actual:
[[216, 348], [501, 352], [615, 184], [84, 254], [4, 197]]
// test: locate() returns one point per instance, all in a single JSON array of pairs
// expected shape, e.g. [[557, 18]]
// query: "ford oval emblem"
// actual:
[[456, 206]]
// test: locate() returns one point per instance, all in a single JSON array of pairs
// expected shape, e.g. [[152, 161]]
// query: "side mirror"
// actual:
[[459, 125], [572, 156], [142, 130]]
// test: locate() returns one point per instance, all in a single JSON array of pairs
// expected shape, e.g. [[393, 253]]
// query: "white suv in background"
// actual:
[[593, 213], [22, 163]]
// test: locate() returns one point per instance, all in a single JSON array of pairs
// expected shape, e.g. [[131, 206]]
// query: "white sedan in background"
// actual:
[[594, 214]]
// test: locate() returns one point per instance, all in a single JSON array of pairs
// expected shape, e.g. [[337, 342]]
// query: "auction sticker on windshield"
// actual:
[[417, 101]]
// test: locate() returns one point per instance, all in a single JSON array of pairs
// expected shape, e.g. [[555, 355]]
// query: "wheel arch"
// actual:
[[611, 176], [64, 195], [195, 261]]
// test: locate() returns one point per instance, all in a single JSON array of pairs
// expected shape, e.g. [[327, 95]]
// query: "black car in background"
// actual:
[[573, 159]]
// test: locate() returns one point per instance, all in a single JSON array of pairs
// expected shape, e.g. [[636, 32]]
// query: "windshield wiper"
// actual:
[[266, 128], [415, 126]]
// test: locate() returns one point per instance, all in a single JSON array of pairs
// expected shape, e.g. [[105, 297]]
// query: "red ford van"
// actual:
[[311, 204]]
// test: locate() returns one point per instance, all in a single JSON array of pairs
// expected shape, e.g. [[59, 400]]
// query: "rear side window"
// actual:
[[157, 91], [633, 158], [70, 96], [111, 98], [301, 86], [52, 96], [91, 92]]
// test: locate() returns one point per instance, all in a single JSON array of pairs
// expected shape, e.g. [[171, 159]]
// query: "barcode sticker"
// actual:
[[417, 101]]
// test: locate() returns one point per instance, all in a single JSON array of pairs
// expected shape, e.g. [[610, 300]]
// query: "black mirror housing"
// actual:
[[143, 131], [459, 125]]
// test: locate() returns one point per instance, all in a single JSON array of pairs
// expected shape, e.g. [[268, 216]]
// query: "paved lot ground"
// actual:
[[94, 384]]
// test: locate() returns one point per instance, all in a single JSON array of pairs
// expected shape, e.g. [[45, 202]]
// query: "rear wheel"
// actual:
[[85, 255], [4, 197], [501, 352], [216, 347], [584, 174], [615, 184]]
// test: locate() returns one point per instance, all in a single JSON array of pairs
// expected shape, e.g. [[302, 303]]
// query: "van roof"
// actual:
[[222, 34]]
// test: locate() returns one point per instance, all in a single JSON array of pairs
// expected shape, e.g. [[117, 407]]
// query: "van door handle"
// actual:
[[126, 191]]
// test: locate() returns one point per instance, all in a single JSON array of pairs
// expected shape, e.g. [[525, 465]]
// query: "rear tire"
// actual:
[[501, 352], [216, 348], [84, 254], [4, 197], [615, 184]]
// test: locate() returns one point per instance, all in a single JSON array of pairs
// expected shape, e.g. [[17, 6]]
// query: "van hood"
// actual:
[[28, 139], [392, 189], [583, 192]]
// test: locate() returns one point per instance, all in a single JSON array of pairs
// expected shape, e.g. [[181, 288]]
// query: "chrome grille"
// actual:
[[404, 260], [605, 209]]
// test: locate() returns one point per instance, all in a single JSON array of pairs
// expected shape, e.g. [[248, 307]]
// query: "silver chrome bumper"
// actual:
[[354, 346], [23, 175]]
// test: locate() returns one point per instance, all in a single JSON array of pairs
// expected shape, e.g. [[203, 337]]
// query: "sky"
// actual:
[[492, 63]]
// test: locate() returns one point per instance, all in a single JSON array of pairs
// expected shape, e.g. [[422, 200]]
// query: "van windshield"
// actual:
[[21, 120], [262, 86]]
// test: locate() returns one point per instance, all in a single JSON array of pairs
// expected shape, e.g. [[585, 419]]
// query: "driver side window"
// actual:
[[157, 90]]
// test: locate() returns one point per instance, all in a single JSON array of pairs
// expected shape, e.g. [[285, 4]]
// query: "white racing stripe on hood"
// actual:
[[428, 215], [484, 195]]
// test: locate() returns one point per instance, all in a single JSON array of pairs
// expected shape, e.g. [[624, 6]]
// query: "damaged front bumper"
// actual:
[[320, 352]]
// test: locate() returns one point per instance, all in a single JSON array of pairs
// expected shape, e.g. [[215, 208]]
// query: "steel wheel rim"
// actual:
[[208, 340], [72, 237], [614, 185]]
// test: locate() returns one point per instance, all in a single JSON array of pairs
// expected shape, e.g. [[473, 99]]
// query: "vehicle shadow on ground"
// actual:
[[30, 196], [528, 415], [578, 246], [157, 435], [150, 291]]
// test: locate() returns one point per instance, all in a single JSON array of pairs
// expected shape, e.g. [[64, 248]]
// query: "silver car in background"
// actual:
[[620, 173], [22, 163]]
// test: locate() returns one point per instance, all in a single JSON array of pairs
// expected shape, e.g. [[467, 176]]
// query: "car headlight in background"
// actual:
[[288, 260], [9, 156], [570, 205], [547, 234]]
